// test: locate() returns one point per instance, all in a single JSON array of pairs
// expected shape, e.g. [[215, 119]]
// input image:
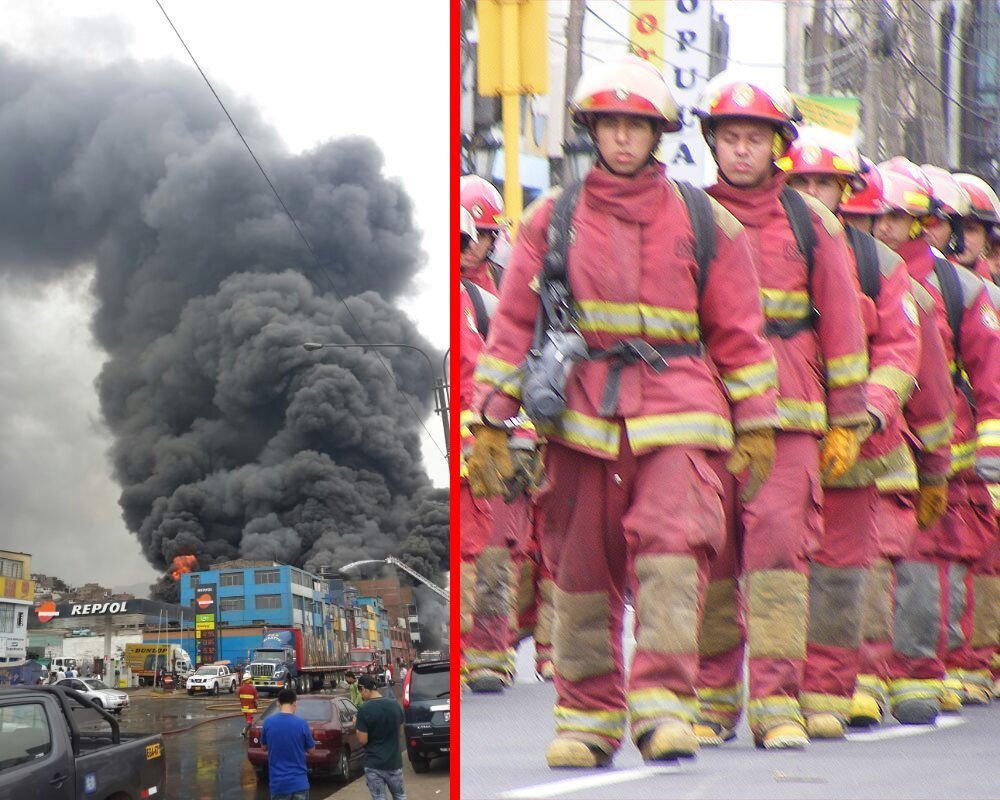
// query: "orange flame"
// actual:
[[182, 564]]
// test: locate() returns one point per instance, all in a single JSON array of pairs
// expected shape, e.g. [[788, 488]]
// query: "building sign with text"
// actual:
[[206, 642]]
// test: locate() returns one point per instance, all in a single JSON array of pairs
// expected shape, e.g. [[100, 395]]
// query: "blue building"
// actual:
[[253, 596]]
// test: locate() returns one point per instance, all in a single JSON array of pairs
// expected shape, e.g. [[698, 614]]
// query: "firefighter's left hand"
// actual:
[[489, 464], [840, 452], [753, 451], [527, 475]]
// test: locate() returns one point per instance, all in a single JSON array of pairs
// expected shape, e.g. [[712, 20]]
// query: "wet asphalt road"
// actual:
[[206, 756]]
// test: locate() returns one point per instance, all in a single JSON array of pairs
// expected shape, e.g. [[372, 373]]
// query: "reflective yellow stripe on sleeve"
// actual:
[[499, 373], [801, 414], [785, 305], [937, 434], [593, 433], [963, 456], [988, 433], [751, 380], [894, 379], [846, 370]]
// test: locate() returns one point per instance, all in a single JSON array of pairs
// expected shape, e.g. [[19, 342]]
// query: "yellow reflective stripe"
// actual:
[[497, 372], [593, 433], [963, 456], [661, 702], [902, 478], [784, 708], [801, 414], [895, 468], [937, 434], [988, 433], [817, 702], [605, 723], [785, 305], [633, 319], [895, 380], [729, 698], [691, 428], [751, 380], [846, 370], [485, 659]]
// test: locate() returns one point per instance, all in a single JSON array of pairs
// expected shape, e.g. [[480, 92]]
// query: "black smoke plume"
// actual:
[[229, 440]]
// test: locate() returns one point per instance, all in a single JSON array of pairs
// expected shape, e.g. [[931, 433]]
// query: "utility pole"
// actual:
[[794, 16], [871, 102], [819, 58], [574, 67], [927, 101]]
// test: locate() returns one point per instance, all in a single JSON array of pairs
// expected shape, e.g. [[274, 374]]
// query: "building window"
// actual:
[[231, 579], [10, 568], [268, 601], [231, 603], [6, 618], [267, 576]]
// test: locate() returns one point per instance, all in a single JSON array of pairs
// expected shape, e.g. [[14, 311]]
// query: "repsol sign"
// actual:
[[118, 607]]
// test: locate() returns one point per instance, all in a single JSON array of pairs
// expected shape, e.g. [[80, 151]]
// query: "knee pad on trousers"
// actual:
[[720, 623], [876, 618], [581, 639], [667, 603], [777, 602], [836, 600], [986, 611], [918, 609], [494, 576], [467, 604]]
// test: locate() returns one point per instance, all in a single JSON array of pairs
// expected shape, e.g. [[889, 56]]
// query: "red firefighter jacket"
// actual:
[[632, 274], [930, 413], [829, 361], [470, 343], [248, 697], [482, 276], [976, 440], [891, 323]]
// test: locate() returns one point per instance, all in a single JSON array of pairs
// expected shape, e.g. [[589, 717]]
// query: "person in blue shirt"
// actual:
[[286, 738]]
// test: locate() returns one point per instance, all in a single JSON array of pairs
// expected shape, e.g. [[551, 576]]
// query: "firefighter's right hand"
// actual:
[[931, 504], [490, 466], [754, 450], [527, 472]]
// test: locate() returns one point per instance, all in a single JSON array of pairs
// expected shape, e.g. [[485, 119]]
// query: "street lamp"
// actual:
[[397, 563], [579, 155], [482, 148], [440, 381]]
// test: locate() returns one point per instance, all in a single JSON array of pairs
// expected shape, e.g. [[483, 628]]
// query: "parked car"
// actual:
[[107, 698], [55, 744], [212, 678], [427, 712], [332, 721]]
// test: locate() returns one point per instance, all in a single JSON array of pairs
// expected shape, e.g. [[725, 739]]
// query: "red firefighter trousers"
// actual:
[[837, 580], [646, 523], [768, 544]]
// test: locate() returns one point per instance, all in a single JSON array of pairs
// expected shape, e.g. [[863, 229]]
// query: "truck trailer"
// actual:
[[286, 658]]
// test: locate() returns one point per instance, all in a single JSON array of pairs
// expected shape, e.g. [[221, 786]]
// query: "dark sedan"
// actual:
[[427, 712], [332, 722]]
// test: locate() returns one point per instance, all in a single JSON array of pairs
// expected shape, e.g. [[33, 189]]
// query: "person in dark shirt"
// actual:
[[286, 738], [378, 726]]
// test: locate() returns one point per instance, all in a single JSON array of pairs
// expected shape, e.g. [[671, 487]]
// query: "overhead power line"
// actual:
[[316, 260]]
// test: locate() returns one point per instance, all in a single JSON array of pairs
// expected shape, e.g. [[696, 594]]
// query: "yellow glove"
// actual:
[[840, 452], [754, 450], [931, 504], [489, 464], [994, 489], [527, 472]]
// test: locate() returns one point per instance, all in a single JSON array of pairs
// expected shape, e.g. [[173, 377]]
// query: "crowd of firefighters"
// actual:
[[786, 462]]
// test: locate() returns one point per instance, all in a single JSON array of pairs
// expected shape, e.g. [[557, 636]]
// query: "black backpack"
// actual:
[[866, 257], [478, 307], [954, 308]]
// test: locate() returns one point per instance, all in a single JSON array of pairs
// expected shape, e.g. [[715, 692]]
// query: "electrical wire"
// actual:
[[298, 229]]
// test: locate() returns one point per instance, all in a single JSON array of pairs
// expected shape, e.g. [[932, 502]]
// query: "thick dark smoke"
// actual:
[[229, 439], [425, 547]]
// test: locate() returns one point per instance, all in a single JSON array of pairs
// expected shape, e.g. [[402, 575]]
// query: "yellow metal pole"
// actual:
[[510, 88]]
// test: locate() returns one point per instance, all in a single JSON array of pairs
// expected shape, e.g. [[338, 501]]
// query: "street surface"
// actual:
[[504, 739], [206, 756]]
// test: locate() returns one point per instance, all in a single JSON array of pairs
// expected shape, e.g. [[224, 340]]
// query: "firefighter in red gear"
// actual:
[[969, 663], [909, 504], [486, 568], [484, 203], [973, 351], [248, 701], [827, 166], [822, 366], [643, 409]]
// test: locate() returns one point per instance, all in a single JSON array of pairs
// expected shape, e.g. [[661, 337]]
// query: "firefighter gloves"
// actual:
[[490, 465], [527, 472], [840, 452], [932, 503], [754, 450]]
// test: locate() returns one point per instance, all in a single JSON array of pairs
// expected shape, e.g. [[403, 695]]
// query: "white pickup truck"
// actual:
[[212, 678]]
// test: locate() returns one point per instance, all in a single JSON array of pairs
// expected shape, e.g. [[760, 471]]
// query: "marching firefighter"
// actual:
[[910, 502], [814, 324], [614, 288], [970, 332], [248, 701], [484, 204], [827, 166], [970, 661], [486, 570]]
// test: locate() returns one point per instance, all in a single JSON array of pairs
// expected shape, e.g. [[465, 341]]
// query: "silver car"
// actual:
[[113, 700]]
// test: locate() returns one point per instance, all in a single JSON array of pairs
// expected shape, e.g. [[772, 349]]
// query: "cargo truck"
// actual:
[[283, 658], [146, 660]]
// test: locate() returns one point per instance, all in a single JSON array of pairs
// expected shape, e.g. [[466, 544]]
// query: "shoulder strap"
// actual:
[[866, 257], [699, 207], [478, 307], [951, 293], [557, 234], [801, 223]]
